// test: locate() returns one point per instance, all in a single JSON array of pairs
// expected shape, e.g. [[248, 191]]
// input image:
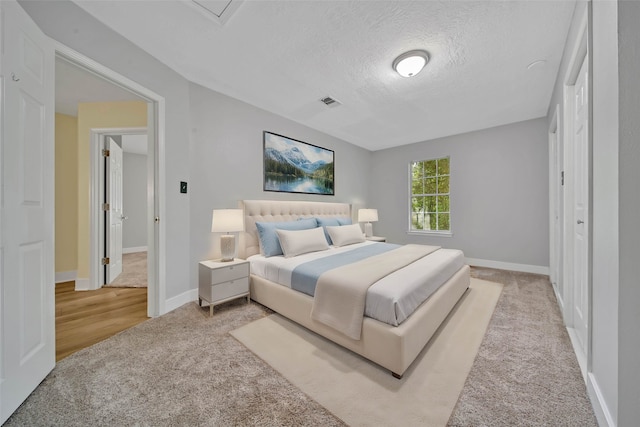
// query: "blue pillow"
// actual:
[[324, 222], [344, 221], [269, 242]]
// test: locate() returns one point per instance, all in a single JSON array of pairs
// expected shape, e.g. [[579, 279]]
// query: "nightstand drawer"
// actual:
[[232, 272], [228, 289]]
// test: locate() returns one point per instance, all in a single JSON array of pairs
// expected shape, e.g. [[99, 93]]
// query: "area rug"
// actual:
[[134, 272], [364, 394]]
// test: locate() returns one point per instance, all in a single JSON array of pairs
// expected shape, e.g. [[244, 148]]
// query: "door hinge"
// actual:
[[105, 152], [105, 206], [562, 178], [105, 261]]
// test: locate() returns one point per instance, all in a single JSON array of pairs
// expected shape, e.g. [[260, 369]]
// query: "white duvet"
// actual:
[[390, 300]]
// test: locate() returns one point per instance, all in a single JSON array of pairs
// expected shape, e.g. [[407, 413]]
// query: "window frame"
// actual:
[[410, 230]]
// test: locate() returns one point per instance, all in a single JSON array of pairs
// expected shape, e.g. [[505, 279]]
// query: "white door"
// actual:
[[27, 300], [114, 214], [581, 207]]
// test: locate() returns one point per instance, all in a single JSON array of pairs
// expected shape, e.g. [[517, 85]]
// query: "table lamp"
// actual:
[[227, 221], [368, 216]]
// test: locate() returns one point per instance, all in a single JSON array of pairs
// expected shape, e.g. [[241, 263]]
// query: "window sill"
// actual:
[[431, 233]]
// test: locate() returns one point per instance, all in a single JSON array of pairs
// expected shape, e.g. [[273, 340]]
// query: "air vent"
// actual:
[[330, 102]]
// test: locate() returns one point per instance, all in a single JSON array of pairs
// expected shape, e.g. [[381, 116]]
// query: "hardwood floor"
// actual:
[[84, 318]]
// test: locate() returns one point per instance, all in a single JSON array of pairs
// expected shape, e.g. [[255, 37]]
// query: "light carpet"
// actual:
[[364, 394], [134, 272]]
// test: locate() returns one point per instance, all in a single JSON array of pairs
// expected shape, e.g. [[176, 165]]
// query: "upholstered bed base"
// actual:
[[392, 347]]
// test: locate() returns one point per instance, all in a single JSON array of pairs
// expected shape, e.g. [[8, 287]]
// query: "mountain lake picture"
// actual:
[[294, 166]]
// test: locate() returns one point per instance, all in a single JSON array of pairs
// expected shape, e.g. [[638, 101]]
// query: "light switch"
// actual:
[[183, 187]]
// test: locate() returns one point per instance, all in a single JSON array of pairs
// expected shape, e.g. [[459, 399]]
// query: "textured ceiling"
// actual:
[[284, 56]]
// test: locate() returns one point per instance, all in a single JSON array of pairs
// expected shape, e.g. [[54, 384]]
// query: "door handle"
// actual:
[[123, 217], [580, 222]]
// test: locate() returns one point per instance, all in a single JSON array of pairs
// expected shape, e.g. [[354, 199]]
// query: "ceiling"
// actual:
[[75, 85], [284, 56], [135, 144]]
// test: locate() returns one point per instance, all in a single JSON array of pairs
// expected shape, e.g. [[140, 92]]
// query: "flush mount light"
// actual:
[[411, 63]]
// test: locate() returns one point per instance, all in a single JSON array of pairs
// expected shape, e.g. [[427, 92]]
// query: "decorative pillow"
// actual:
[[324, 222], [300, 242], [346, 234], [269, 243]]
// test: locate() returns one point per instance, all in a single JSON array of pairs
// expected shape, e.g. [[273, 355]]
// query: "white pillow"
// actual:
[[346, 234], [302, 241]]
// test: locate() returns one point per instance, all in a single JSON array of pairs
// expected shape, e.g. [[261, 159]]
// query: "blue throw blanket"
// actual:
[[305, 276]]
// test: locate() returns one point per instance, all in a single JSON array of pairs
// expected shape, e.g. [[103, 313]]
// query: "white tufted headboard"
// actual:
[[276, 210]]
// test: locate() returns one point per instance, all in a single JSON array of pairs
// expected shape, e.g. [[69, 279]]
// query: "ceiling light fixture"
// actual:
[[411, 63]]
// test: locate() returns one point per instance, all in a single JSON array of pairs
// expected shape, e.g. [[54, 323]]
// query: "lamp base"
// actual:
[[227, 247], [368, 229]]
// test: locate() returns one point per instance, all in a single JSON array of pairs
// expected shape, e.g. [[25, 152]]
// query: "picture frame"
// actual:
[[293, 166]]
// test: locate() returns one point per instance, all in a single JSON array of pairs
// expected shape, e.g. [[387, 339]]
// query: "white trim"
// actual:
[[526, 268], [603, 414], [559, 298], [431, 233], [134, 250], [579, 56], [83, 284], [156, 206], [180, 300], [580, 354], [66, 276]]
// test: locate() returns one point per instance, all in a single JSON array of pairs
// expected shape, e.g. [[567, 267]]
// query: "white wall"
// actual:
[[134, 200], [67, 23], [629, 243], [603, 379], [499, 192], [227, 163]]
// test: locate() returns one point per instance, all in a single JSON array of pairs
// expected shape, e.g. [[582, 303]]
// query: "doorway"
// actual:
[[155, 108], [126, 248], [147, 302], [556, 211], [572, 252]]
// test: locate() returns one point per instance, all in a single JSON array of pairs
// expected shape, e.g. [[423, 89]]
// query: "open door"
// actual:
[[27, 297], [115, 216]]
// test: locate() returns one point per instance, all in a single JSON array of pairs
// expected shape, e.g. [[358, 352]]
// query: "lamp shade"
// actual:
[[227, 220], [367, 215]]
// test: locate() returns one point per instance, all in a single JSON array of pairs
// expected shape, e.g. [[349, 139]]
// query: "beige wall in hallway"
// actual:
[[66, 187], [93, 115]]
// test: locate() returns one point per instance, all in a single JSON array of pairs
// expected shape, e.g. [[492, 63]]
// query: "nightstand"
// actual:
[[376, 238], [220, 282]]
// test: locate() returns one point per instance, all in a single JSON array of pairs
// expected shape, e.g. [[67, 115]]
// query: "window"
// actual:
[[430, 195]]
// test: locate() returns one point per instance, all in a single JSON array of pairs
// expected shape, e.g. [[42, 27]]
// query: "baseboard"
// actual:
[[526, 268], [180, 300], [580, 354], [83, 284], [600, 408], [66, 276], [134, 250]]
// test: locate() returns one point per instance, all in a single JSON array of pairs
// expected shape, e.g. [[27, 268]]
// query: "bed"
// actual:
[[392, 346]]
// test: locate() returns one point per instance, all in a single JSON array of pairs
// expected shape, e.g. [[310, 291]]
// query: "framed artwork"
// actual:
[[293, 166]]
